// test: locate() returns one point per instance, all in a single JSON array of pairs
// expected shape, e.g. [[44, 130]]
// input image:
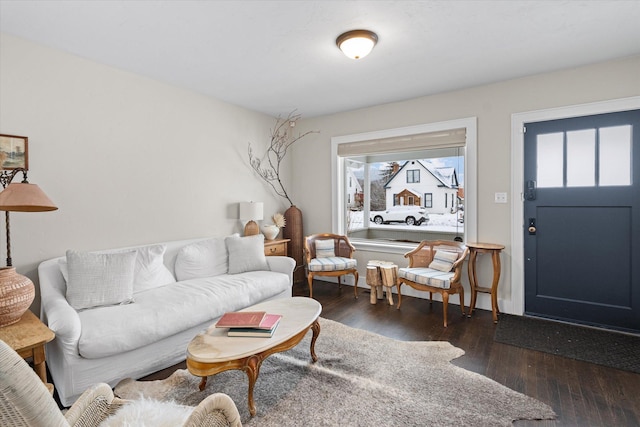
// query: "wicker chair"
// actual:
[[334, 260], [442, 274], [26, 401]]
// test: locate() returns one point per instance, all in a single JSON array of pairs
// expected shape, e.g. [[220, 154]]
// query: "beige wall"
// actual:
[[130, 160], [493, 106], [127, 160]]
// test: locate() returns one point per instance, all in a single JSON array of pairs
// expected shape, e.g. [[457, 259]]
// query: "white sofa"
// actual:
[[110, 342]]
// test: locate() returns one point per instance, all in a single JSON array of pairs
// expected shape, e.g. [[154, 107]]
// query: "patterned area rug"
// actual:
[[360, 379], [612, 349]]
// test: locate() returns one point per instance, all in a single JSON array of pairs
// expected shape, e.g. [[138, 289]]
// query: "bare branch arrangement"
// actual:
[[268, 166]]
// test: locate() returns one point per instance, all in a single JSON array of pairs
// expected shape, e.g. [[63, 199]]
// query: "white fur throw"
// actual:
[[149, 413]]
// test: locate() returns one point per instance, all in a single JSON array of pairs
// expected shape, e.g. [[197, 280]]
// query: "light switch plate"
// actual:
[[501, 198]]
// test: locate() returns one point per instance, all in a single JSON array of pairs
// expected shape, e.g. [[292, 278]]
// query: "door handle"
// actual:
[[532, 226]]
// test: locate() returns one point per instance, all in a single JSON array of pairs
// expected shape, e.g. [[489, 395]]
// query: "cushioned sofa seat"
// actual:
[[115, 329]]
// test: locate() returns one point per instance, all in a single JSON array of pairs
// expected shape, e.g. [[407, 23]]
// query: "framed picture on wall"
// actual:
[[14, 152]]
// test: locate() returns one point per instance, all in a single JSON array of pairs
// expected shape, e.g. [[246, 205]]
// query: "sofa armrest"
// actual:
[[63, 320], [282, 264], [55, 311]]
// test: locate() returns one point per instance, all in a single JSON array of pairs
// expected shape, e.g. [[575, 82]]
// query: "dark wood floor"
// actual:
[[582, 394]]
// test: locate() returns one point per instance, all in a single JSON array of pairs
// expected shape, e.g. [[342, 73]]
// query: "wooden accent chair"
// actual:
[[435, 266], [329, 255], [26, 401]]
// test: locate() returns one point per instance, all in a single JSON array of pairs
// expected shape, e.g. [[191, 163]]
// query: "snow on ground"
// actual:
[[437, 222]]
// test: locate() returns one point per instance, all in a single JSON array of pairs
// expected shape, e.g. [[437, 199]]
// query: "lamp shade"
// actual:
[[251, 211], [24, 197]]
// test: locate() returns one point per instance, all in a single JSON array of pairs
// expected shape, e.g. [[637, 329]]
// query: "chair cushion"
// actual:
[[324, 249], [427, 276], [150, 412], [332, 264], [443, 260]]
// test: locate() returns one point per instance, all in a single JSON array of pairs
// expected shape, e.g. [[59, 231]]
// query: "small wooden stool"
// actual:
[[381, 276]]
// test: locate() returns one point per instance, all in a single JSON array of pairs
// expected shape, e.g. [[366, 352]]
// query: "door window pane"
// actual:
[[550, 159], [615, 155], [581, 158]]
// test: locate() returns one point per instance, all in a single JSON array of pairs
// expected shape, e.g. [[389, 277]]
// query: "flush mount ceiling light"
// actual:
[[357, 44]]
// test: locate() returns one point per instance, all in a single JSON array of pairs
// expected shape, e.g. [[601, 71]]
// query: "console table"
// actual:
[[28, 337], [494, 250]]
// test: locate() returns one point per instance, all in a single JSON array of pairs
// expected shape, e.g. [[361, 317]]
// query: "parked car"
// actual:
[[410, 215]]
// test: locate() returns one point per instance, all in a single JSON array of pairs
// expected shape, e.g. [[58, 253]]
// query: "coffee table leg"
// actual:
[[316, 331], [203, 383], [252, 368]]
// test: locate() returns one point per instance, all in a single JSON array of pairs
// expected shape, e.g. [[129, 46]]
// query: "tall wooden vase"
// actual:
[[293, 230]]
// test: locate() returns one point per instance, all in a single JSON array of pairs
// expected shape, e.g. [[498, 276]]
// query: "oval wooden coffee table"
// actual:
[[213, 351]]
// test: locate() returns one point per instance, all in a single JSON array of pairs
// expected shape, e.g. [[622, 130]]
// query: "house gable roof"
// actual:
[[447, 176]]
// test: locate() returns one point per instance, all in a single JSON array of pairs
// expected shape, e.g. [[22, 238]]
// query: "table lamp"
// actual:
[[251, 212], [17, 291]]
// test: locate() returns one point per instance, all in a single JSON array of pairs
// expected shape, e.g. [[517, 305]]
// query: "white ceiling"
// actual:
[[277, 56]]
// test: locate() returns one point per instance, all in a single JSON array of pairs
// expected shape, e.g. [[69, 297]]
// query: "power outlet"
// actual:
[[501, 197]]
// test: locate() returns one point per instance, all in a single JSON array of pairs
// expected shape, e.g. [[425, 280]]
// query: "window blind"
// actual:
[[410, 143]]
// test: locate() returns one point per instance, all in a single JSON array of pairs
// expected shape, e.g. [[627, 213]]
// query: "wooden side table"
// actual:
[[28, 337], [381, 274], [276, 247], [494, 250]]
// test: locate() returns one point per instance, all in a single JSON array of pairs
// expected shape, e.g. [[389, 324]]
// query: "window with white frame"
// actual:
[[432, 164]]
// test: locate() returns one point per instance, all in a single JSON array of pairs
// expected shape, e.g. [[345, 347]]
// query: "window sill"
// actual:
[[381, 246]]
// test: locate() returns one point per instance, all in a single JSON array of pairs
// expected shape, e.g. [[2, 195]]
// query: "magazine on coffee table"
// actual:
[[251, 332], [241, 319], [266, 329]]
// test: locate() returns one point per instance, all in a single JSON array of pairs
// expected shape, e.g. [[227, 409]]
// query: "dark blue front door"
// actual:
[[582, 220]]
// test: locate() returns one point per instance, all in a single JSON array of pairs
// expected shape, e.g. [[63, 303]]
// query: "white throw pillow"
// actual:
[[324, 249], [150, 271], [206, 258], [246, 254], [100, 279], [443, 260]]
